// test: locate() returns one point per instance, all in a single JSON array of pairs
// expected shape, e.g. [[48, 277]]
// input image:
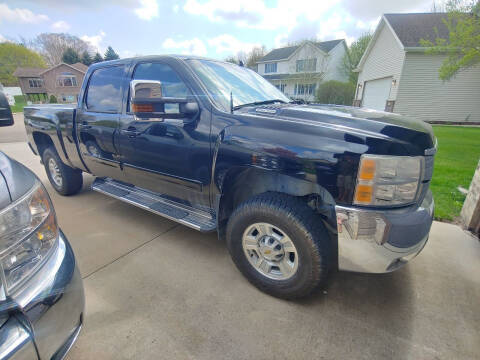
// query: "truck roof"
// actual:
[[153, 58]]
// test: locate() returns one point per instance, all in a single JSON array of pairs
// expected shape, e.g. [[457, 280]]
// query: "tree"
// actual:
[[53, 45], [110, 54], [231, 59], [255, 55], [70, 56], [53, 99], [97, 58], [354, 54], [336, 92], [248, 59], [462, 48], [12, 56], [86, 58]]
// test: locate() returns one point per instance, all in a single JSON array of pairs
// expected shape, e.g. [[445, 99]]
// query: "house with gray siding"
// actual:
[[298, 70], [63, 81], [396, 75]]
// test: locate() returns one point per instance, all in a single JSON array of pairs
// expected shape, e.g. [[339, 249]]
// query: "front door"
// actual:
[[97, 121], [167, 156]]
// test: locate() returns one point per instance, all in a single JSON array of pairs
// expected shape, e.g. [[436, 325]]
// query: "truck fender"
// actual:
[[239, 173], [45, 132]]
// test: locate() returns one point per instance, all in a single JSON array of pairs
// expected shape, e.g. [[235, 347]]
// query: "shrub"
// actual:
[[336, 92], [53, 99]]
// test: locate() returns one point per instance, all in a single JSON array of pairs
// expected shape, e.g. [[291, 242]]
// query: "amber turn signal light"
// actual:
[[363, 194], [137, 108], [367, 169]]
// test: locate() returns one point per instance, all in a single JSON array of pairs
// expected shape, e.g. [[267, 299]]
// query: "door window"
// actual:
[[104, 93], [172, 85]]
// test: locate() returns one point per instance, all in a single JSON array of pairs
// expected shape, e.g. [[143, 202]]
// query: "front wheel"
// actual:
[[64, 179], [279, 244]]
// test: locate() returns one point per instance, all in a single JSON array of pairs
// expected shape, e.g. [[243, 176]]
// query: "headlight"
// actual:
[[28, 231], [387, 180]]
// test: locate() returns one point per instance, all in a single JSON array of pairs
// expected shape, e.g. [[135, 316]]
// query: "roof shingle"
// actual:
[[280, 53], [410, 28], [80, 67], [28, 72], [285, 52]]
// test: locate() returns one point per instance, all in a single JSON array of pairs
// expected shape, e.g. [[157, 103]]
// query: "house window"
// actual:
[[66, 79], [307, 65], [271, 67], [304, 89], [281, 87], [35, 83]]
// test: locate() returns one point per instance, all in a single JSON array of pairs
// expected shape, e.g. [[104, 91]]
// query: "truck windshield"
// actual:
[[246, 86]]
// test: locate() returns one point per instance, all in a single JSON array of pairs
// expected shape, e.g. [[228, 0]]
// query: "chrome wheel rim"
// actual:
[[55, 174], [270, 251]]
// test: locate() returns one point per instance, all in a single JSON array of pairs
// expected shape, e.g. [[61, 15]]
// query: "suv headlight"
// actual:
[[387, 180], [28, 231]]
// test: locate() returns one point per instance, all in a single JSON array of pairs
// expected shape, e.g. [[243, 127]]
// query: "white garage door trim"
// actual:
[[376, 93]]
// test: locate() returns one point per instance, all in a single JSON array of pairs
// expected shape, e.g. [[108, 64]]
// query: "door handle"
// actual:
[[131, 132], [85, 125]]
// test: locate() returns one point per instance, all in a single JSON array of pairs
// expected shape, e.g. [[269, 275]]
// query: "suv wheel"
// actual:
[[279, 244], [64, 179]]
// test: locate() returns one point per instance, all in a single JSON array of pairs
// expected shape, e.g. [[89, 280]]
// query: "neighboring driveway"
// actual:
[[158, 290]]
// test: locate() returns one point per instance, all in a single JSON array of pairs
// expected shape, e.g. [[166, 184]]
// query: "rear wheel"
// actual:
[[279, 244], [64, 179]]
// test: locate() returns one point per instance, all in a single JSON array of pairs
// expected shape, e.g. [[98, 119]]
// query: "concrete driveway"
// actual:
[[158, 290]]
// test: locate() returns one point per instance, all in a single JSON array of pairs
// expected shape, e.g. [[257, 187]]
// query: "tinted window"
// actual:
[[172, 86], [104, 90]]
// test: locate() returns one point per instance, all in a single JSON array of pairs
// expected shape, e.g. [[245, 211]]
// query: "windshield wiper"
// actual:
[[259, 103]]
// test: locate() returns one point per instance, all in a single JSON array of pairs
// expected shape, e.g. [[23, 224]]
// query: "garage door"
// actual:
[[376, 93]]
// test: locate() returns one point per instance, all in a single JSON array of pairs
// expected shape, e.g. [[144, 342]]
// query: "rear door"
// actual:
[[97, 120], [376, 93]]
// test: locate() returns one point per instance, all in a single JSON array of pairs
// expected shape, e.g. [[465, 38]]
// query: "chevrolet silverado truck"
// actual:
[[295, 189]]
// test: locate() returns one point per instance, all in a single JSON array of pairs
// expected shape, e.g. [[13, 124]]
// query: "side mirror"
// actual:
[[147, 101], [6, 117]]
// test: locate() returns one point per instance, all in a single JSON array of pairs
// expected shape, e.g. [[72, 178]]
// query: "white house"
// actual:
[[298, 70], [395, 73]]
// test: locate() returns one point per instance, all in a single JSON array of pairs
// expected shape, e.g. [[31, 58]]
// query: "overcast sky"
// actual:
[[213, 28]]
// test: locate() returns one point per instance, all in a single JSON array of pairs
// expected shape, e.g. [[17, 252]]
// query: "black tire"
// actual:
[[303, 227], [71, 179]]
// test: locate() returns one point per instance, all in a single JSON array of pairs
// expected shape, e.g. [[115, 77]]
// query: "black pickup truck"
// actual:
[[295, 189]]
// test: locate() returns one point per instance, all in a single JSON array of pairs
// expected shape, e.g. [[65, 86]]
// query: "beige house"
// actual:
[[298, 70], [63, 81], [396, 75]]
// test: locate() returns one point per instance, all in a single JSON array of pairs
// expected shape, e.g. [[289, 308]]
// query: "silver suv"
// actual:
[[41, 291]]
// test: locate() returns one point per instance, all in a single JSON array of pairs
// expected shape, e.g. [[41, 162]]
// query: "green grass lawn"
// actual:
[[20, 103], [455, 162]]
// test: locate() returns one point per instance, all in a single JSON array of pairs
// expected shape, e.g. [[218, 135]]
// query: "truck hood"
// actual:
[[416, 135]]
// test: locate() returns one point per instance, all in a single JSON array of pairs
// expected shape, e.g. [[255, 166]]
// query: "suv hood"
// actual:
[[15, 180], [414, 134]]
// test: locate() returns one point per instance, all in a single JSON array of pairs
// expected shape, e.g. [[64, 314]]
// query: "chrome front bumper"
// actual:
[[373, 241], [47, 310]]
